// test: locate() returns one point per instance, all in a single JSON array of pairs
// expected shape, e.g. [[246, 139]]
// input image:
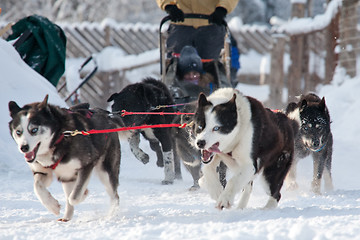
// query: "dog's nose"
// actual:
[[201, 143], [24, 148], [316, 142]]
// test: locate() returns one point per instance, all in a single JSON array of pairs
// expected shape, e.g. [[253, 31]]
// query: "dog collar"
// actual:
[[61, 137], [55, 164], [318, 150]]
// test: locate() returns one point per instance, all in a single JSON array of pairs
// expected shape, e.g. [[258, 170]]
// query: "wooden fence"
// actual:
[[84, 39], [314, 54], [314, 51]]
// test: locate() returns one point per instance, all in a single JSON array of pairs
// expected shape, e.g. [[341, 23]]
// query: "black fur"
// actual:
[[182, 145], [145, 96], [272, 143], [315, 126], [87, 150]]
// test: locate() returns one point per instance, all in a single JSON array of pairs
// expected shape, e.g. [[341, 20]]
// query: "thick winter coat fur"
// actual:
[[145, 96], [249, 139], [314, 138], [38, 129]]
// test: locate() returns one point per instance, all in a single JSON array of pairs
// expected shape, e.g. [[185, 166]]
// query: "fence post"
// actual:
[[349, 36], [276, 77], [332, 37], [296, 55]]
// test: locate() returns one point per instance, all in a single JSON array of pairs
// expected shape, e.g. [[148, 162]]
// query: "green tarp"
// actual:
[[44, 50]]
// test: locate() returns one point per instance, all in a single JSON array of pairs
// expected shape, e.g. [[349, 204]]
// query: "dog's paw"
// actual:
[[315, 187], [160, 163], [224, 201], [63, 220], [194, 187], [167, 182], [145, 159], [223, 204]]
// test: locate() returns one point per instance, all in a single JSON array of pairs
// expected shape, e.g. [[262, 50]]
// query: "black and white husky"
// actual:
[[314, 138], [249, 139], [186, 151], [38, 129], [145, 96]]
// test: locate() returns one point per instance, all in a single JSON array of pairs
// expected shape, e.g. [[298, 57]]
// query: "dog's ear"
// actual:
[[112, 97], [44, 103], [290, 107], [232, 100], [202, 101], [13, 108], [303, 105], [322, 104]]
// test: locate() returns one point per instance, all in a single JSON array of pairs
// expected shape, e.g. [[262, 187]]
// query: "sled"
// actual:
[[219, 69], [42, 45], [85, 79]]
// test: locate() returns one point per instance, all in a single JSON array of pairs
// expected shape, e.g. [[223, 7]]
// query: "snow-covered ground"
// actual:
[[149, 210]]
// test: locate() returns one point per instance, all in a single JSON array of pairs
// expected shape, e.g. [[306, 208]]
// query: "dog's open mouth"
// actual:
[[30, 156], [207, 155]]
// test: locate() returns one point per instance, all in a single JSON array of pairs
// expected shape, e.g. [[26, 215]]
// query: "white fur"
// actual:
[[75, 191], [238, 142], [169, 168], [295, 115], [43, 136]]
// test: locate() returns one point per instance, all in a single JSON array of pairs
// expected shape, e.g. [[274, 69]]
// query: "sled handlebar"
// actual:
[[189, 15], [186, 15]]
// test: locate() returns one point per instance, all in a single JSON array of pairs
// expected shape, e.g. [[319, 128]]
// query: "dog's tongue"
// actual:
[[207, 154], [214, 148], [30, 156]]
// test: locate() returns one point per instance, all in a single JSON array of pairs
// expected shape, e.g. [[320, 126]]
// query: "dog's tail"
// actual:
[[292, 112]]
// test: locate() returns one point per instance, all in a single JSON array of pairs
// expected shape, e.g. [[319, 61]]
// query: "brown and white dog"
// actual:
[[249, 139]]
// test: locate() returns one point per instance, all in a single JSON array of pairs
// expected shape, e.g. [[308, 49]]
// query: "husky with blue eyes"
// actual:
[[249, 139], [314, 138], [39, 131]]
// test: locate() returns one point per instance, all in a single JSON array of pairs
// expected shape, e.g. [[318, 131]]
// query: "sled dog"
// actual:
[[38, 130], [249, 139], [186, 151], [314, 138], [145, 96]]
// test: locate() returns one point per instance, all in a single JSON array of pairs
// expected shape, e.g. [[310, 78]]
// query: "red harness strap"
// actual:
[[125, 113], [61, 137], [55, 164], [204, 60]]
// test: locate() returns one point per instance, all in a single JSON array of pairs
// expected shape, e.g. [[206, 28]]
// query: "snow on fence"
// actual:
[[315, 45], [87, 38]]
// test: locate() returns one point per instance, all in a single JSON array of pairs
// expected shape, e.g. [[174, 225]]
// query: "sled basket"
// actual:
[[42, 45]]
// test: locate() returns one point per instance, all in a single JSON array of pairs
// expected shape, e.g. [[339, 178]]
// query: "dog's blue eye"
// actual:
[[18, 132], [200, 127], [34, 130], [216, 128]]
